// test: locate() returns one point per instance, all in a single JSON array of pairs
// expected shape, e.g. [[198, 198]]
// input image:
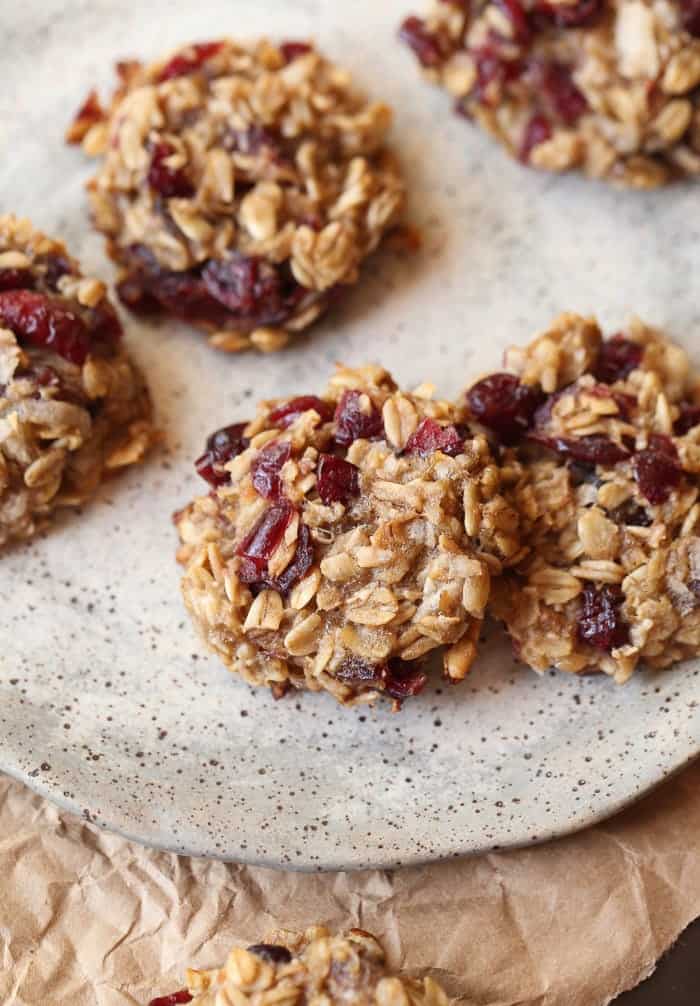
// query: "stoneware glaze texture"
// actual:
[[108, 704]]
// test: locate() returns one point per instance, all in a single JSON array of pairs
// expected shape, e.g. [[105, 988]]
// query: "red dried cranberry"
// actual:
[[502, 404], [89, 113], [657, 469], [16, 279], [593, 450], [429, 436], [559, 91], [182, 64], [300, 565], [262, 540], [617, 358], [352, 423], [687, 420], [570, 15], [55, 268], [169, 182], [516, 14], [690, 16], [45, 321], [402, 679], [492, 72], [284, 415], [538, 130], [222, 445], [427, 46], [336, 480], [273, 953], [104, 324], [292, 50], [172, 1000], [600, 623], [266, 467], [251, 288]]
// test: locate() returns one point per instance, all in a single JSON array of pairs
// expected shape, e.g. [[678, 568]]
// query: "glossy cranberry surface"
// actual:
[[504, 405], [286, 414], [222, 446], [181, 65], [430, 436], [266, 467], [600, 623], [657, 469], [352, 423], [175, 999], [538, 130], [167, 181], [617, 358], [595, 449], [293, 50], [39, 320], [337, 480], [426, 46]]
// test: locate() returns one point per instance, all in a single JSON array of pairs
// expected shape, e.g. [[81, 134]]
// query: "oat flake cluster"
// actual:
[[317, 969], [241, 186], [346, 537], [605, 86], [605, 476], [72, 406]]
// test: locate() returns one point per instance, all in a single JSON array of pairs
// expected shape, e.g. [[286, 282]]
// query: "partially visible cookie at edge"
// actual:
[[602, 442], [607, 87], [73, 408], [345, 538], [241, 186], [317, 967]]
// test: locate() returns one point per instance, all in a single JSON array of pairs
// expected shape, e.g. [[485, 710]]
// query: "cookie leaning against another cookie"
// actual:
[[346, 537], [72, 405], [606, 436], [241, 186], [316, 969], [608, 87]]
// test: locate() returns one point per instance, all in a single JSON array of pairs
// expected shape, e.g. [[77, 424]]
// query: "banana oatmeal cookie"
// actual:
[[609, 87], [317, 969], [604, 460], [72, 406], [241, 186], [345, 538]]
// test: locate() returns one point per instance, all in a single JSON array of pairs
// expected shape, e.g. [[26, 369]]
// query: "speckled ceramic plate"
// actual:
[[108, 704]]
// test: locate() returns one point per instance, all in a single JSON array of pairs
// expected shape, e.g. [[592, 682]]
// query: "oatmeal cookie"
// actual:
[[316, 968], [603, 463], [72, 405], [241, 186], [346, 537], [609, 87]]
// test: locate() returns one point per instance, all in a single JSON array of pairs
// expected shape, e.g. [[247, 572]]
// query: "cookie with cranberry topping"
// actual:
[[314, 968], [344, 539], [605, 471], [73, 408], [607, 87], [241, 186]]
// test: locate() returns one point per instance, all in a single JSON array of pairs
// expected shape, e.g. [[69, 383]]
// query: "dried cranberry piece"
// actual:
[[251, 288], [631, 515], [690, 16], [16, 279], [559, 91], [182, 64], [538, 130], [262, 540], [266, 467], [89, 113], [292, 50], [337, 480], [617, 358], [45, 321], [401, 679], [255, 139], [657, 469], [284, 415], [300, 565], [55, 268], [492, 72], [429, 436], [694, 585], [352, 423], [516, 14], [104, 323], [175, 999], [273, 953], [600, 623], [169, 182], [593, 450], [570, 15], [688, 419], [502, 404], [426, 46], [222, 445]]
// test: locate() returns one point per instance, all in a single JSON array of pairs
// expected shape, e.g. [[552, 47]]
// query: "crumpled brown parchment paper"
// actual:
[[89, 919]]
